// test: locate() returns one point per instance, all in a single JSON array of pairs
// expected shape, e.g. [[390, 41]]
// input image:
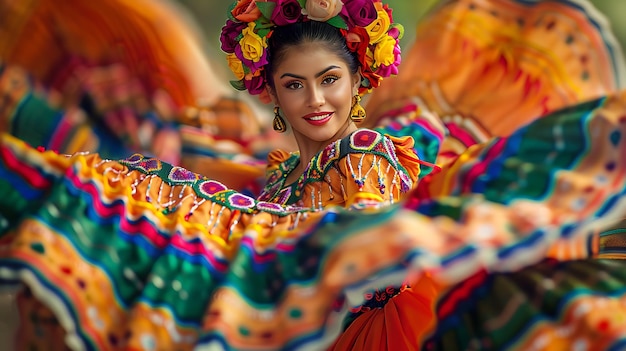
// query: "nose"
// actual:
[[316, 97]]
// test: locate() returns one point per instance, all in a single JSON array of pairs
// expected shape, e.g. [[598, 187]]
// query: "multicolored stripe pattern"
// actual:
[[573, 162], [551, 305], [110, 250], [489, 67]]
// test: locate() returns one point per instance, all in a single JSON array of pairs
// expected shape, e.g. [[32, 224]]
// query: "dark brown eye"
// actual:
[[330, 79], [293, 85]]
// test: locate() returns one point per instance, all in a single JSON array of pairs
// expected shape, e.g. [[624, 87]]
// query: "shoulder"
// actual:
[[276, 157], [372, 142], [367, 143]]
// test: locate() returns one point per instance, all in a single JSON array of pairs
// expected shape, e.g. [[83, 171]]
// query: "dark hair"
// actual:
[[285, 37]]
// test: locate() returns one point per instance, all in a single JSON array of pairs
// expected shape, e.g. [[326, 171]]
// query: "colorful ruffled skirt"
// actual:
[[503, 248]]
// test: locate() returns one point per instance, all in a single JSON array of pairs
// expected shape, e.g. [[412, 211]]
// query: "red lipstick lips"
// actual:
[[318, 119]]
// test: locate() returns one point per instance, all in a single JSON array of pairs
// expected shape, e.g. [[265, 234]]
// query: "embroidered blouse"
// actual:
[[364, 168]]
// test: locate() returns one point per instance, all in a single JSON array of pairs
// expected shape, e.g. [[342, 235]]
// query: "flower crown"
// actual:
[[367, 26]]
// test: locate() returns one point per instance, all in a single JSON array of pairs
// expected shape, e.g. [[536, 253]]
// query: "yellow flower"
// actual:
[[379, 27], [252, 45], [236, 66], [383, 53]]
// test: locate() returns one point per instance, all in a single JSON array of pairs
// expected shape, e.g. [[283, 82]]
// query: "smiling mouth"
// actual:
[[319, 117]]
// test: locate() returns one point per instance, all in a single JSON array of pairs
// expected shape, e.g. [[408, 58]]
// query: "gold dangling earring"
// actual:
[[357, 113], [279, 122]]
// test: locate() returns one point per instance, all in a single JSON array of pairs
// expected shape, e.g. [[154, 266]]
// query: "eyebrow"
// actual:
[[316, 75]]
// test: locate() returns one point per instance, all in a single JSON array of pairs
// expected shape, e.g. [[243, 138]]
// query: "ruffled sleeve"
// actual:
[[276, 157]]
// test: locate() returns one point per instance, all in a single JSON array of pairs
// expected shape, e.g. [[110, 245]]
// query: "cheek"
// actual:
[[346, 98], [290, 106]]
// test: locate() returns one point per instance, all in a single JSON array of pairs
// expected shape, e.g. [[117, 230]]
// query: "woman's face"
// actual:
[[313, 88]]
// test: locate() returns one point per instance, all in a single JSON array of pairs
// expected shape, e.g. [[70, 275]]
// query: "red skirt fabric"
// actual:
[[400, 325]]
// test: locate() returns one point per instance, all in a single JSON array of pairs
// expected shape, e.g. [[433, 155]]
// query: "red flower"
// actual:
[[357, 41]]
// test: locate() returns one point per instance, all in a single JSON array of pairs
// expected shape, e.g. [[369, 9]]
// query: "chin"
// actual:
[[323, 135]]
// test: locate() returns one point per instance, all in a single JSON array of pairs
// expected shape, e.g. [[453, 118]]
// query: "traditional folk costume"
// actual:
[[502, 246]]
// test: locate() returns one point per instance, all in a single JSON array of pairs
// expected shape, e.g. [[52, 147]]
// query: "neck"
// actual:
[[309, 148]]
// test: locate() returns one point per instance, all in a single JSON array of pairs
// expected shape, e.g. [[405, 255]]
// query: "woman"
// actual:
[[140, 254], [337, 165], [314, 81]]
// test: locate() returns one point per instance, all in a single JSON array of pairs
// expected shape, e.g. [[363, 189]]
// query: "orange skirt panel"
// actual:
[[401, 324]]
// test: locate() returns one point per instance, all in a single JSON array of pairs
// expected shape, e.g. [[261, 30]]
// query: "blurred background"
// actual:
[[210, 15]]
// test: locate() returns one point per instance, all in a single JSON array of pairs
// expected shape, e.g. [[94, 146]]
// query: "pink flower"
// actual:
[[395, 33], [286, 12], [255, 85], [388, 70], [230, 31], [359, 12]]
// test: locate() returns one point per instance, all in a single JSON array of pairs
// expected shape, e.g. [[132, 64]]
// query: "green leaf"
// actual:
[[400, 28], [337, 22], [230, 11], [266, 8], [302, 3], [264, 25], [263, 33], [238, 84]]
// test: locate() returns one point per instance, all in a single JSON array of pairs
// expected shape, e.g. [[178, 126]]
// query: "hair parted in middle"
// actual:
[[301, 33], [258, 32]]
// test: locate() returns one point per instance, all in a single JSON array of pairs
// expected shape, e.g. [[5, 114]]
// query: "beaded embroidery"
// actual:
[[362, 142], [377, 298], [204, 189]]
